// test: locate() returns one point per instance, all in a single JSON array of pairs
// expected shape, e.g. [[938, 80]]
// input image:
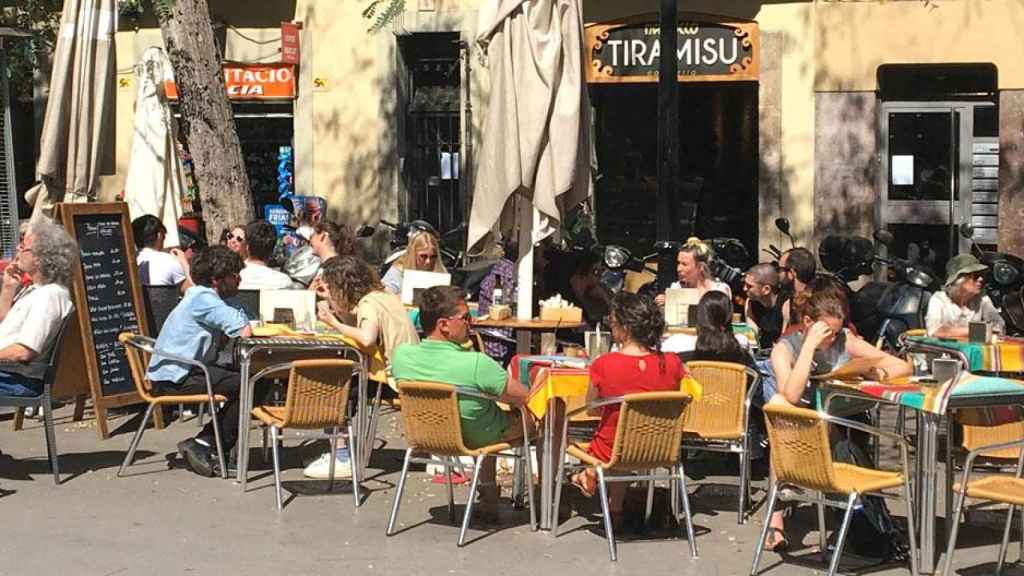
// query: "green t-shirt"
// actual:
[[441, 361]]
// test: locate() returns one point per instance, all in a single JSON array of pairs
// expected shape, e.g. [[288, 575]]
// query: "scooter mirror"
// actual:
[[883, 237], [966, 230], [365, 231], [783, 225]]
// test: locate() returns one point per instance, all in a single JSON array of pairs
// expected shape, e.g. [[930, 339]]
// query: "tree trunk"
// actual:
[[206, 114]]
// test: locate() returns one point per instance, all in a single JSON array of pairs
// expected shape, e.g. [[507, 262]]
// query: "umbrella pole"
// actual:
[[528, 219]]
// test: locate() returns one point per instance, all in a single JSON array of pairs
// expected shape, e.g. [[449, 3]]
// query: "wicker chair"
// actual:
[[138, 350], [1001, 488], [720, 420], [802, 458], [430, 413], [317, 398], [647, 438]]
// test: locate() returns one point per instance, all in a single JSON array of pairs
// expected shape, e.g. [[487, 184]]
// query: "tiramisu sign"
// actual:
[[708, 50]]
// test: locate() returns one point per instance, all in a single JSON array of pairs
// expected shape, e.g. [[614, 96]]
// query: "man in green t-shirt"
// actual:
[[441, 357]]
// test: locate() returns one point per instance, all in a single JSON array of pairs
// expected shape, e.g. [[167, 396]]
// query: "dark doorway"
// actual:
[[718, 162], [432, 131]]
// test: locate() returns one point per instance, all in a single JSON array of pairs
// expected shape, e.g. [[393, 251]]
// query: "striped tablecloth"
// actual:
[[1005, 355], [935, 398]]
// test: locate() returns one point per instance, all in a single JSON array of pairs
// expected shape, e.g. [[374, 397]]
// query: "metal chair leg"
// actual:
[[911, 527], [334, 458], [277, 467], [135, 442], [1005, 541], [955, 529], [841, 540], [451, 489], [51, 438], [199, 415], [741, 510], [478, 462], [528, 464], [650, 500], [266, 445], [398, 491], [557, 500], [609, 534], [357, 475], [684, 495], [220, 443], [822, 529], [773, 495]]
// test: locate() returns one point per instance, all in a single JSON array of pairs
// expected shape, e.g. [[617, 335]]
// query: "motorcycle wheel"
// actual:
[[1013, 311]]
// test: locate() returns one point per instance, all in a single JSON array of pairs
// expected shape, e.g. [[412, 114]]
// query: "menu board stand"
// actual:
[[108, 300]]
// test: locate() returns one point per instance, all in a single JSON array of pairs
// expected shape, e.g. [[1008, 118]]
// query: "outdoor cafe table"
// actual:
[[557, 384], [273, 345], [1005, 355], [524, 327], [932, 403]]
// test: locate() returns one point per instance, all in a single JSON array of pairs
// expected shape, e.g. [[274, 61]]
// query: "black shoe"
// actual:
[[232, 463], [196, 456]]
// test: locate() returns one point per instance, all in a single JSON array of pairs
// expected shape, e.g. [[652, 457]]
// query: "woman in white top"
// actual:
[[422, 253], [694, 271], [961, 301]]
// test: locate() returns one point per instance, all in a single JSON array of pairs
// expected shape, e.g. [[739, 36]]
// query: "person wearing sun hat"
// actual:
[[962, 300]]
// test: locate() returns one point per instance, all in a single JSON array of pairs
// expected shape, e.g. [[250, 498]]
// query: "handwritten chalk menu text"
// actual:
[[108, 295]]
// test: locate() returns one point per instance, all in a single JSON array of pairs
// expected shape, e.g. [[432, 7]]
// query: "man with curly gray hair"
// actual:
[[30, 317]]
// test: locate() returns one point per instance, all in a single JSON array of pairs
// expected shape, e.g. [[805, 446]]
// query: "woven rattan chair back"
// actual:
[[976, 436], [801, 454], [430, 412], [317, 393], [650, 431], [719, 412], [138, 360]]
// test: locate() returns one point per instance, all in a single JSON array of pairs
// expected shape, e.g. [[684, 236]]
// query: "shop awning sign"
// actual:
[[709, 50], [253, 82]]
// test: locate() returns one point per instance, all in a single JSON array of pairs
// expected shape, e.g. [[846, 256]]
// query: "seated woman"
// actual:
[[715, 339], [694, 270], [380, 320], [235, 240], [961, 301], [326, 240], [820, 345], [638, 366], [422, 253]]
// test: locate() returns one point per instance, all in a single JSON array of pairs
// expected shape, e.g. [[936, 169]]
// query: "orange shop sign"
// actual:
[[253, 82]]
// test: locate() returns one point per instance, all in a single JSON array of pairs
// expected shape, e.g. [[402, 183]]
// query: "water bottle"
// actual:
[[497, 297]]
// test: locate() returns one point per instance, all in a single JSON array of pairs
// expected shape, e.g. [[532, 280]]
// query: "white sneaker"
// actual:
[[320, 469]]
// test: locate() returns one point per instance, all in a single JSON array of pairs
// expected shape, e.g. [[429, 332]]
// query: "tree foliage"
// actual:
[[41, 18], [382, 13]]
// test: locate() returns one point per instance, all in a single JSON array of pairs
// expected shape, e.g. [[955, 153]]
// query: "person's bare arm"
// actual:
[[591, 398], [947, 331], [11, 284], [515, 393], [17, 353], [183, 261], [888, 366], [245, 332], [750, 318]]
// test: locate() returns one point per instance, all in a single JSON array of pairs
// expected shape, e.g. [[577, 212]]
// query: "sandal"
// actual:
[[781, 544], [584, 483]]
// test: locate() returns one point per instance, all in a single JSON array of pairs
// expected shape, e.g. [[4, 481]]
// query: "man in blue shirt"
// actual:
[[192, 330]]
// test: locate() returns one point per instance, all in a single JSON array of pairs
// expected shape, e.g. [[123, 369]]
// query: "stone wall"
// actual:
[[1011, 171], [846, 163]]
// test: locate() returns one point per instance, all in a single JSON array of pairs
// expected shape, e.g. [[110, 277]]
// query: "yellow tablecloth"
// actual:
[[377, 370], [571, 384]]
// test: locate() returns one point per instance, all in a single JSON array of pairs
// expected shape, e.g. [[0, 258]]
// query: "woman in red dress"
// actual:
[[639, 365]]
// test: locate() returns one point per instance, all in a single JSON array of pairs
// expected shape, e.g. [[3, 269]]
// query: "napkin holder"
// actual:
[[945, 369], [979, 332], [568, 315], [499, 312]]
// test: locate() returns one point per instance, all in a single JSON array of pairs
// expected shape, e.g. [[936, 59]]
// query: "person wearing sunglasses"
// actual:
[[423, 253], [234, 239], [962, 300]]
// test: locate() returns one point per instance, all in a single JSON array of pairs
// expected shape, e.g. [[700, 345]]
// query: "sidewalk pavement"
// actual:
[[162, 519]]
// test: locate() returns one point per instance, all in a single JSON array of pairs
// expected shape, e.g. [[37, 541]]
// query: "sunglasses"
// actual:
[[975, 275], [236, 237]]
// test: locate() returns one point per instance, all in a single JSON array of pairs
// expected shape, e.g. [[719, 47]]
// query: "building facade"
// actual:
[[856, 115]]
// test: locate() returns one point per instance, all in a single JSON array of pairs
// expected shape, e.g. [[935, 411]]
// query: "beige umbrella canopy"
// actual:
[[78, 109], [536, 137], [156, 178]]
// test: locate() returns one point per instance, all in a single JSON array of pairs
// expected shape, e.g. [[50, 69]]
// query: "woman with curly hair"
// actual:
[[423, 253], [363, 310], [638, 366]]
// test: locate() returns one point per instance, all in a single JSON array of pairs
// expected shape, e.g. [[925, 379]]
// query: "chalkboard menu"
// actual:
[[108, 299], [108, 294]]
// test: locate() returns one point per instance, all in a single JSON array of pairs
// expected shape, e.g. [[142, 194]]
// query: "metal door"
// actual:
[[926, 178]]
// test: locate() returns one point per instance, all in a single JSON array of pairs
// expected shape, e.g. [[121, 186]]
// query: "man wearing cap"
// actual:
[[961, 301]]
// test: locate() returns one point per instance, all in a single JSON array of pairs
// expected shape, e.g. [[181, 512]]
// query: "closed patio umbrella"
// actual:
[[536, 136], [155, 178], [78, 109]]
